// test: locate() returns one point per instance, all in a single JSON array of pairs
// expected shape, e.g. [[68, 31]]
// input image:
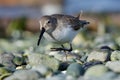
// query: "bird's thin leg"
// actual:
[[70, 47], [62, 49], [62, 46], [65, 52]]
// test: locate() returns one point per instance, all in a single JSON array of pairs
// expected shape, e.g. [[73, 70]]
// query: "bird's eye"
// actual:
[[49, 21]]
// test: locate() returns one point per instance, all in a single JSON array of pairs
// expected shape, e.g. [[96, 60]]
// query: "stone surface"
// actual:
[[24, 75], [75, 70], [6, 59], [65, 56], [57, 77], [95, 71], [114, 66], [42, 59], [115, 56], [43, 70], [97, 55]]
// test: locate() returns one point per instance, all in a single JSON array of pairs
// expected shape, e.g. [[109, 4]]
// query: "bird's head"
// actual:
[[47, 24], [82, 23]]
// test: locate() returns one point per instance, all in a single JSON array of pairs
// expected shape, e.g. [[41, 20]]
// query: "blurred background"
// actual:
[[19, 18]]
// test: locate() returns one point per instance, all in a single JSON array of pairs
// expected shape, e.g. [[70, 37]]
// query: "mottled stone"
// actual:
[[57, 77], [115, 56], [18, 60], [95, 71], [43, 70], [106, 76], [24, 75], [4, 70], [114, 66], [6, 59], [65, 56], [42, 59], [98, 55], [105, 40]]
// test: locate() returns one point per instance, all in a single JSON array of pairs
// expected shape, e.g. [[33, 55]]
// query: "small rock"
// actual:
[[75, 70], [65, 56], [57, 77], [63, 66], [106, 76], [43, 70], [3, 76], [95, 71], [115, 56], [4, 70], [105, 40], [6, 59], [98, 55], [114, 66], [18, 60], [24, 75], [42, 59]]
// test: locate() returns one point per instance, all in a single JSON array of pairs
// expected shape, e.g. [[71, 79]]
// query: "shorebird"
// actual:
[[60, 29]]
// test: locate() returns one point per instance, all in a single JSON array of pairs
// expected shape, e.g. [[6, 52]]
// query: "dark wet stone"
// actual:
[[90, 64], [63, 66], [107, 48]]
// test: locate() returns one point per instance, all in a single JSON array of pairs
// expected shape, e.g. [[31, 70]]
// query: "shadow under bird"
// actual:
[[60, 29]]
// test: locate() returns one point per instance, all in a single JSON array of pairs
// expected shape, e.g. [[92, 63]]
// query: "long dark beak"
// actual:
[[41, 34], [84, 22]]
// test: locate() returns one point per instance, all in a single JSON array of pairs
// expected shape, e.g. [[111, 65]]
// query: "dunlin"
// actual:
[[60, 29]]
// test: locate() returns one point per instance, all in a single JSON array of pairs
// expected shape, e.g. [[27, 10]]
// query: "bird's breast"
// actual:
[[65, 34]]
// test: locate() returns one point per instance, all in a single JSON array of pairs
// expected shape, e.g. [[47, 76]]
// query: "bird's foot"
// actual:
[[61, 49]]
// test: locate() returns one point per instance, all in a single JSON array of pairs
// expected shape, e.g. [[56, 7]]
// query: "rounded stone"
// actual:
[[3, 70], [115, 56], [6, 59], [98, 55], [65, 56], [24, 75], [43, 70], [18, 60], [57, 77], [2, 77], [95, 71], [114, 66], [75, 70], [42, 59]]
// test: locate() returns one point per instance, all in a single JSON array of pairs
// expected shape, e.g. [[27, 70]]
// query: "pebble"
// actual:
[[43, 70], [6, 59], [115, 56], [57, 77], [75, 70], [24, 75], [95, 71], [98, 55], [114, 66], [42, 59], [65, 56]]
